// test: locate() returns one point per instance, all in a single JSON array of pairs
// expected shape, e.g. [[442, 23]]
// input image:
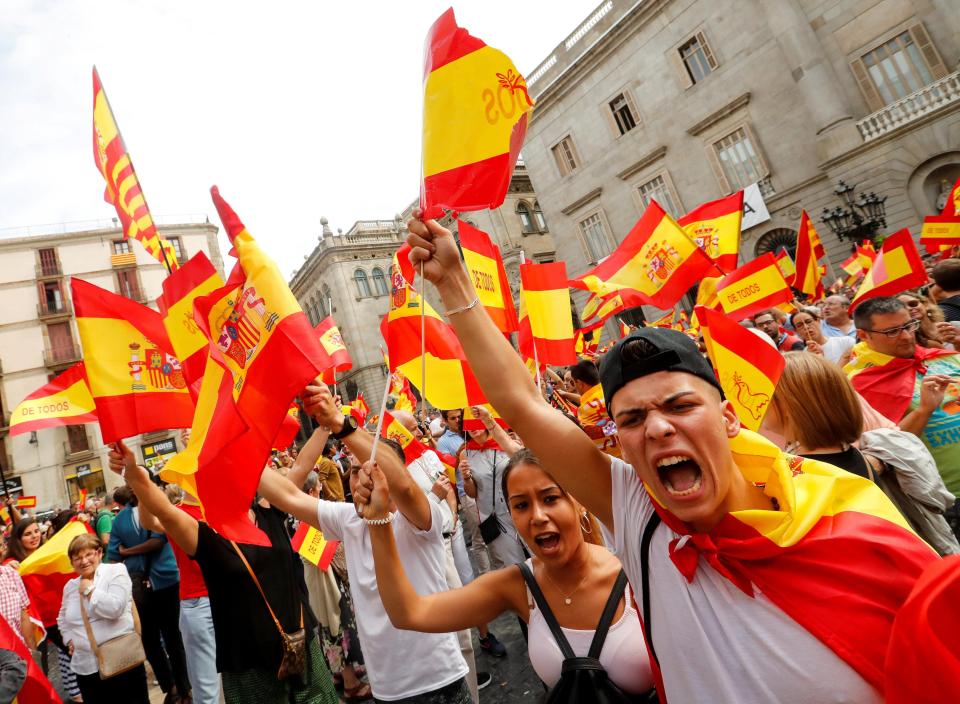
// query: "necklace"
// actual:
[[567, 599]]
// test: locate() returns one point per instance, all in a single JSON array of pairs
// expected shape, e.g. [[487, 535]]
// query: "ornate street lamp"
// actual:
[[862, 218]]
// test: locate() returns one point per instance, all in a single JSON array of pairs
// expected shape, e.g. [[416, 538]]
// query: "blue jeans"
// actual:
[[196, 627]]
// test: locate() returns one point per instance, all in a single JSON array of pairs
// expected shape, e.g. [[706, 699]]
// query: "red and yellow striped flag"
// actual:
[[897, 268], [581, 345], [939, 231], [598, 308], [311, 544], [26, 502], [393, 429], [747, 367], [135, 380], [809, 250], [482, 259], [472, 421], [715, 227], [475, 105], [546, 322], [756, 286], [624, 329], [337, 358], [123, 187], [786, 266], [64, 401], [656, 259]]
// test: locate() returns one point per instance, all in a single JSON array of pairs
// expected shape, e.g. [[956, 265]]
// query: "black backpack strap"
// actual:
[[613, 601], [645, 572], [548, 616]]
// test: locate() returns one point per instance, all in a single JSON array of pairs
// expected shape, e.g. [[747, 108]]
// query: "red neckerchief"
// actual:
[[489, 444], [889, 387]]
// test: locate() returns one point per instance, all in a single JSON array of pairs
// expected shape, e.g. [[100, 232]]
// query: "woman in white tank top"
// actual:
[[575, 575]]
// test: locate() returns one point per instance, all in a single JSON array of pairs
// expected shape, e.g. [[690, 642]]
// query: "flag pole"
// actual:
[[376, 435], [423, 343], [536, 361]]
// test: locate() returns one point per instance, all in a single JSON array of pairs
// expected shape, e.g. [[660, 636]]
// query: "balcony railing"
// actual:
[[914, 106], [48, 269], [45, 310], [60, 356]]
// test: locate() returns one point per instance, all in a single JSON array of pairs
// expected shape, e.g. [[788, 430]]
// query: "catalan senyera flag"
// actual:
[[715, 228], [450, 383], [747, 367], [262, 353], [123, 187], [64, 401], [786, 265], [600, 307], [336, 359], [310, 543], [195, 278], [475, 105], [46, 571], [134, 377], [656, 259], [546, 322], [393, 429], [26, 502], [482, 259], [809, 250], [832, 532], [757, 285], [897, 268], [36, 688]]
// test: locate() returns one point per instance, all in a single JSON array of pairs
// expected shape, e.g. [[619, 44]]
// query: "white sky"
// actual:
[[295, 109]]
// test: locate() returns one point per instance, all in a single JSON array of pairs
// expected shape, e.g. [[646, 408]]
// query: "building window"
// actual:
[[697, 57], [177, 245], [61, 342], [538, 217], [363, 286], [379, 282], [623, 115], [595, 237], [48, 262], [327, 304], [77, 438], [128, 285], [898, 67], [659, 190], [566, 156], [121, 247], [526, 219], [739, 159], [52, 298]]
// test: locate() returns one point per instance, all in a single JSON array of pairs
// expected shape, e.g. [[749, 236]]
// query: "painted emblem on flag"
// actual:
[[755, 403], [243, 328], [706, 238], [662, 260], [399, 285]]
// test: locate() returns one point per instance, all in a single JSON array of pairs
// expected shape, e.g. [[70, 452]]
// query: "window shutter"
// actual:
[[707, 51], [558, 157], [717, 169], [633, 106], [748, 128], [929, 52], [611, 119], [681, 68], [870, 92]]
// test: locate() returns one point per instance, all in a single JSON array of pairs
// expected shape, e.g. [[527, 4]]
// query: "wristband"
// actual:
[[381, 521], [463, 309]]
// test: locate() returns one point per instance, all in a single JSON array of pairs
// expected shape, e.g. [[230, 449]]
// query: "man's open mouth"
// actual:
[[680, 475]]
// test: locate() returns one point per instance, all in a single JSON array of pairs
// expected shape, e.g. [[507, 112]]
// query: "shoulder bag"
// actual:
[[120, 654], [490, 528]]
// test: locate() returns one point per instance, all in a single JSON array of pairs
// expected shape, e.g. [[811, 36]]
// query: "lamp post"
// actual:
[[862, 218]]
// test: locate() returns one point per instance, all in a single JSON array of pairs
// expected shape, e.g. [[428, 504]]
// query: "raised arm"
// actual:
[[566, 452], [178, 526], [307, 459], [496, 432]]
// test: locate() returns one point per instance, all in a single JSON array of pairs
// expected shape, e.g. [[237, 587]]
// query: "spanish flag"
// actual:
[[623, 328], [832, 553], [786, 266], [715, 227], [952, 207], [546, 323], [656, 259], [123, 187], [756, 286], [747, 367], [939, 231], [46, 571], [809, 250], [64, 401], [135, 380], [36, 688], [393, 429], [852, 266], [26, 502], [583, 346], [600, 307], [483, 261], [475, 105], [310, 543], [897, 267], [336, 358], [400, 387], [472, 422], [866, 253], [195, 278], [263, 352]]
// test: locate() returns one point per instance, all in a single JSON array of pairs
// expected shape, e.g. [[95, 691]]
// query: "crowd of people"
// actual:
[[649, 545]]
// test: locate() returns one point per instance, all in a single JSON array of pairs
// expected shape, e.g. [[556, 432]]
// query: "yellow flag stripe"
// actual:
[[750, 289], [73, 401], [486, 278], [548, 312]]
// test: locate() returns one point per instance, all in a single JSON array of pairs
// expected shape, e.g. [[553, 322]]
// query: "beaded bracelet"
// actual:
[[381, 521], [463, 309]]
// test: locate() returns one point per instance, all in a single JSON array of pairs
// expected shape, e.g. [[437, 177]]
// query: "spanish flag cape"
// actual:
[[36, 688], [887, 382], [837, 557]]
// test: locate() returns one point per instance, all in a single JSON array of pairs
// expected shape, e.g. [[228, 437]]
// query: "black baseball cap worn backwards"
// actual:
[[674, 352]]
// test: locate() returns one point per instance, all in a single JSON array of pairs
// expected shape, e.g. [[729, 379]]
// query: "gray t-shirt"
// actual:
[[714, 642]]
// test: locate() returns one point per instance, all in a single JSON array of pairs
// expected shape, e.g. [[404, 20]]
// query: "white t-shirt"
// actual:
[[399, 663], [425, 470], [714, 642]]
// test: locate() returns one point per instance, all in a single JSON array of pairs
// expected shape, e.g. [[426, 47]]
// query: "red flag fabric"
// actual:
[[715, 227], [546, 323], [756, 286], [482, 259], [64, 401], [809, 250], [36, 688], [395, 430], [336, 358], [896, 268]]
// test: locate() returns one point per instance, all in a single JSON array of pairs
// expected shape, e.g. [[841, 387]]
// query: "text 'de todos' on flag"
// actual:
[[754, 287], [64, 401], [485, 265]]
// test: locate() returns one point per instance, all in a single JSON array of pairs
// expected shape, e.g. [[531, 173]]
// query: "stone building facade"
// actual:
[[685, 101], [39, 339], [348, 274]]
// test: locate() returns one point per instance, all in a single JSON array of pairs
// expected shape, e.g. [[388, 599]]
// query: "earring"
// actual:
[[585, 523]]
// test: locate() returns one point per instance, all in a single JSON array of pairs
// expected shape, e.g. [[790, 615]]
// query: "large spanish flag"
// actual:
[[656, 259], [483, 261], [546, 322], [46, 571], [263, 352], [135, 380], [195, 278], [64, 401], [896, 268], [475, 105], [833, 553], [123, 187], [715, 227], [756, 286], [809, 250], [747, 367]]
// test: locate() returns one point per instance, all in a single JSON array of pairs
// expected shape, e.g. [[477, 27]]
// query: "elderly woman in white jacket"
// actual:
[[105, 591]]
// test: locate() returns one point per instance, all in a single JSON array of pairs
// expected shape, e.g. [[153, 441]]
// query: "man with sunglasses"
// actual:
[[916, 387]]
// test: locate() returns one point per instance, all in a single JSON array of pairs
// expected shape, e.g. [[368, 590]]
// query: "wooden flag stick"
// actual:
[[376, 435], [423, 343]]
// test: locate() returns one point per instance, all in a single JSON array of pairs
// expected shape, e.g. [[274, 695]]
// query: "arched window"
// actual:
[[776, 240], [319, 309], [379, 282], [308, 309], [363, 286], [328, 301], [538, 218], [526, 220]]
